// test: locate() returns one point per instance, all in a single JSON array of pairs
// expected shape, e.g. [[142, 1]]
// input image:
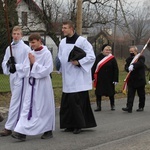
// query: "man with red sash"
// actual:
[[105, 75]]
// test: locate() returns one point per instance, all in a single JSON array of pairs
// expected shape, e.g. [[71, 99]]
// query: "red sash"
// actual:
[[99, 66]]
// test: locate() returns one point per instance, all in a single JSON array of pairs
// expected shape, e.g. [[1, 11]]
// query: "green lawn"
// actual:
[[57, 84], [4, 83]]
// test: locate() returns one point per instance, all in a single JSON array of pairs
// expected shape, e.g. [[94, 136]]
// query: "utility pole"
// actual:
[[79, 17], [124, 16], [115, 26]]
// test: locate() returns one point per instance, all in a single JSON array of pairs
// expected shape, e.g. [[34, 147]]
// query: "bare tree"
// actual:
[[95, 13], [140, 28]]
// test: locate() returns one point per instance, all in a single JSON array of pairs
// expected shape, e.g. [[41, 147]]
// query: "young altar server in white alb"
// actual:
[[12, 65], [75, 109], [38, 112]]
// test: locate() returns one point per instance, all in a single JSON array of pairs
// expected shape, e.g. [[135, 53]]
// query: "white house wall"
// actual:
[[34, 25]]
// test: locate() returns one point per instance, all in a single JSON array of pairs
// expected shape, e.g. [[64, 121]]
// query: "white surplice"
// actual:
[[43, 109], [76, 79], [17, 85]]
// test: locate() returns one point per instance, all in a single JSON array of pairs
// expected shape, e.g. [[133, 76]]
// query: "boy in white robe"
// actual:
[[12, 65], [38, 112], [75, 110]]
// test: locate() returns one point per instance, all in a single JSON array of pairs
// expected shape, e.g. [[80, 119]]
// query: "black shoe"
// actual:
[[130, 111], [19, 136], [69, 130], [113, 107], [98, 109], [47, 135], [140, 109], [127, 109], [77, 131]]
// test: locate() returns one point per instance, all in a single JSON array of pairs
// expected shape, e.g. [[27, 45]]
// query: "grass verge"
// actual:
[[57, 86]]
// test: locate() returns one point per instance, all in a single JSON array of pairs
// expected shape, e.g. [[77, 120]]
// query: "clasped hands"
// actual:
[[31, 58]]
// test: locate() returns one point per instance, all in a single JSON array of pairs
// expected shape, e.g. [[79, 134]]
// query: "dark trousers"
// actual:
[[131, 96], [99, 99]]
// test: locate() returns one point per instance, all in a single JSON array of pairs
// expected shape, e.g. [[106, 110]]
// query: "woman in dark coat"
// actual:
[[105, 75]]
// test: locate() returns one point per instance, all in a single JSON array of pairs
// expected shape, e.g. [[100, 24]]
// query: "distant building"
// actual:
[[28, 18], [103, 37]]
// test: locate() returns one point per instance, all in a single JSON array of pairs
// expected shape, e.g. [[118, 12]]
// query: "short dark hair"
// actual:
[[70, 23], [34, 36]]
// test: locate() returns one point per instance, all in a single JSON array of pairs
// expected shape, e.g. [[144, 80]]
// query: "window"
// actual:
[[24, 18]]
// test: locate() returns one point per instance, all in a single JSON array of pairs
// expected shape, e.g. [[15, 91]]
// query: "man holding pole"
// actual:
[[12, 65], [136, 81]]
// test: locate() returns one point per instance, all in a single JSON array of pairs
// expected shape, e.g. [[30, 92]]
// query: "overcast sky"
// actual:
[[133, 3], [136, 2]]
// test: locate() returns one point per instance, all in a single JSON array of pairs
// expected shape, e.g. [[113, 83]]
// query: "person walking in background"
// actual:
[[105, 74], [38, 112], [76, 57], [12, 65], [136, 81]]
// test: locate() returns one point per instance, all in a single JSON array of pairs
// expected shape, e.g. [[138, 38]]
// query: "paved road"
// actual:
[[116, 130]]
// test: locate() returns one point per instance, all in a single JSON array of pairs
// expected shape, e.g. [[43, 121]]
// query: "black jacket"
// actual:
[[106, 76], [137, 76]]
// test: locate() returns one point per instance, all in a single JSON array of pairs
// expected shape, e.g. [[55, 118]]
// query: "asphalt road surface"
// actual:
[[116, 130]]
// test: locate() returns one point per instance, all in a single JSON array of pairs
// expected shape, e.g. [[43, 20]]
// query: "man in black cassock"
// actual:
[[76, 57]]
